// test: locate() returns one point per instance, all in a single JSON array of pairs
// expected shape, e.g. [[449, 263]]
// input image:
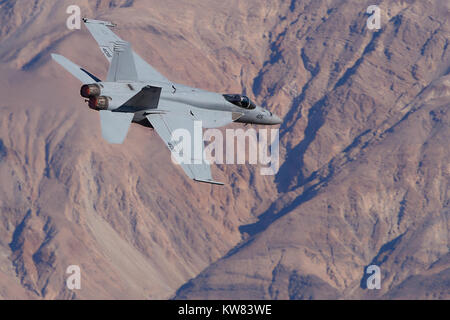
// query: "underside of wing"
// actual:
[[166, 124]]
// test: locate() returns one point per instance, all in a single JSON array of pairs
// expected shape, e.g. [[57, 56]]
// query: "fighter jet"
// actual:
[[135, 92]]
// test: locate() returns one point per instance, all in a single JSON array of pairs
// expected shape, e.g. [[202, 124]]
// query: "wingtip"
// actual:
[[106, 23], [209, 181], [57, 57]]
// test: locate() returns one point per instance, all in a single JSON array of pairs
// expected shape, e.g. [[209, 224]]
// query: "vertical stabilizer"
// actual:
[[123, 66]]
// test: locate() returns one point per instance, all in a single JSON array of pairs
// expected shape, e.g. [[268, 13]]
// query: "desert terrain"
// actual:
[[364, 150]]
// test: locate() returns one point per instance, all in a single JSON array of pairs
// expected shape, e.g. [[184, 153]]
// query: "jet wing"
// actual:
[[110, 44], [166, 123]]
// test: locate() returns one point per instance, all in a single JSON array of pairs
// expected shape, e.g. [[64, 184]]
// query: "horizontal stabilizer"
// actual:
[[115, 125], [78, 72]]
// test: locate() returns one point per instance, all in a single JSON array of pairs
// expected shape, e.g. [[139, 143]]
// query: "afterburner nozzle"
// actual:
[[99, 103], [90, 90]]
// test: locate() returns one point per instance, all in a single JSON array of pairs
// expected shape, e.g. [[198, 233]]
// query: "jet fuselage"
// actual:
[[181, 96]]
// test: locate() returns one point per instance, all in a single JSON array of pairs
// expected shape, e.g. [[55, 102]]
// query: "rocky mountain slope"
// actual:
[[364, 149], [366, 173]]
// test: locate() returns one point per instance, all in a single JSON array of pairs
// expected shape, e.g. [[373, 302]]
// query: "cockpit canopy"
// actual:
[[240, 101]]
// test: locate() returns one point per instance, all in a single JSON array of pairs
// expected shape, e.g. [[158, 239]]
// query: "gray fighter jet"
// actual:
[[135, 92]]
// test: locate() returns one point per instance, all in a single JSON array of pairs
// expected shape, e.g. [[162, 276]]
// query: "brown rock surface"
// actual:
[[366, 172], [364, 145]]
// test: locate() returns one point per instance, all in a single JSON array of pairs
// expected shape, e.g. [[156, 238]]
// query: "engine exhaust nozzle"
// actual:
[[99, 103], [90, 90]]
